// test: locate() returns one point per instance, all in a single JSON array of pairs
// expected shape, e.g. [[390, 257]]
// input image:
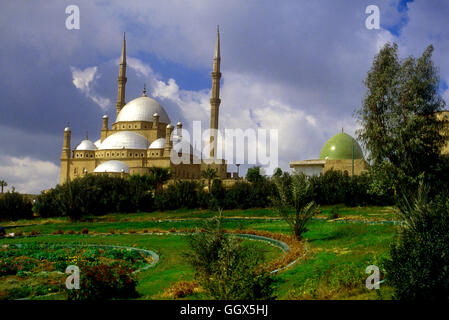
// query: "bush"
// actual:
[[181, 194], [181, 289], [218, 195], [335, 187], [96, 195], [238, 196], [104, 282], [254, 174], [335, 213], [226, 269], [417, 267], [14, 206]]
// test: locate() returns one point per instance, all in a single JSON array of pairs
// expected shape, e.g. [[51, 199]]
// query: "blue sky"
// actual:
[[295, 66]]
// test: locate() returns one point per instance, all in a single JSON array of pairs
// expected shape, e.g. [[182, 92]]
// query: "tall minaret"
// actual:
[[121, 79], [215, 98], [65, 156]]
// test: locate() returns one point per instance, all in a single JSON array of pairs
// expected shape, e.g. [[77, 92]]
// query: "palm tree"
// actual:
[[294, 202], [3, 184], [160, 176], [209, 174]]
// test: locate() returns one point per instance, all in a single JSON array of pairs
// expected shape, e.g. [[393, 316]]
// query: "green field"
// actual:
[[338, 251]]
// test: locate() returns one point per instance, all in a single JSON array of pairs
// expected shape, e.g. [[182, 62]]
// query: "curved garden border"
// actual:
[[146, 252]]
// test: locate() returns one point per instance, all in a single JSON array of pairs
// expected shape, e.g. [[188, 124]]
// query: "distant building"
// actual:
[[340, 153], [140, 138]]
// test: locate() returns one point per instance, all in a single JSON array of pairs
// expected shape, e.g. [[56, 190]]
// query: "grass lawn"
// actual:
[[334, 267]]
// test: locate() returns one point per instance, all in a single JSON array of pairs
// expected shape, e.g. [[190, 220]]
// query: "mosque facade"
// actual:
[[340, 153], [343, 153], [142, 137]]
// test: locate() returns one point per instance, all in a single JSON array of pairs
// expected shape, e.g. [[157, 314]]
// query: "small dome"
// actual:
[[339, 147], [67, 129], [125, 140], [169, 126], [155, 114], [86, 145], [105, 116], [158, 144], [98, 143], [142, 109], [112, 166]]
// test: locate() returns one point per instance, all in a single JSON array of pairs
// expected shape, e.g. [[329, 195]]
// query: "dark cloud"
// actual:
[[309, 56]]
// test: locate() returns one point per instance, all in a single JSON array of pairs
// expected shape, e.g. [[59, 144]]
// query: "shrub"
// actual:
[[261, 192], [14, 206], [335, 213], [330, 187], [181, 194], [218, 195], [85, 231], [254, 174], [181, 289], [238, 196], [97, 195], [104, 282], [417, 267], [225, 268]]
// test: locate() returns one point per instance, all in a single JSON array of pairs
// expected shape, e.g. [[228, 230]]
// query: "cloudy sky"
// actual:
[[295, 66]]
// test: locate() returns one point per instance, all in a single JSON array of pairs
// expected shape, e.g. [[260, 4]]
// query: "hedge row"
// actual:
[[99, 195], [14, 206]]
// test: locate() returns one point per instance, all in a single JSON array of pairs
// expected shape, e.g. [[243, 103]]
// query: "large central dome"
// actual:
[[124, 140], [142, 109]]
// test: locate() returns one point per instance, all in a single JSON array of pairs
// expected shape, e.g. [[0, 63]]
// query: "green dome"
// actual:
[[340, 147]]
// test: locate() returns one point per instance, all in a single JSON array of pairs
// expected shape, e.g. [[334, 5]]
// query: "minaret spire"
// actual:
[[121, 78], [215, 98]]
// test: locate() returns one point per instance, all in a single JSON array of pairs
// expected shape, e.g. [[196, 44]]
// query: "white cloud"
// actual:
[[249, 102], [84, 80], [137, 65], [28, 175]]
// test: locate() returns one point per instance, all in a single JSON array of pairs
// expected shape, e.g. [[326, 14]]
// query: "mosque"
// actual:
[[340, 153], [343, 153], [142, 137]]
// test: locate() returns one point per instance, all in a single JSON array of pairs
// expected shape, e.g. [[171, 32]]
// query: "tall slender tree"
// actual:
[[398, 123]]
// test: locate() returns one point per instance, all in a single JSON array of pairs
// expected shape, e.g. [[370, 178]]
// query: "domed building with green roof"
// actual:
[[341, 153]]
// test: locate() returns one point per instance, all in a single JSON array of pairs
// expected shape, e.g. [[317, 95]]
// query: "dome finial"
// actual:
[[144, 93], [87, 135]]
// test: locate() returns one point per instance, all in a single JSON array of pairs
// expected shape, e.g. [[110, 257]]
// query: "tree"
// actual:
[[294, 201], [277, 172], [254, 174], [417, 268], [226, 268], [160, 176], [209, 174], [398, 116], [3, 184]]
